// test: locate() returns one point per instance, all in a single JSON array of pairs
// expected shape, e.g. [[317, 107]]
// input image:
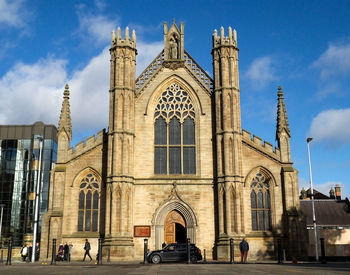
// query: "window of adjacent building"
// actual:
[[88, 204], [260, 203], [174, 133]]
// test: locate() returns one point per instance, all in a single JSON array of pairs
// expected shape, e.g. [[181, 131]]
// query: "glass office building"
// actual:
[[19, 164]]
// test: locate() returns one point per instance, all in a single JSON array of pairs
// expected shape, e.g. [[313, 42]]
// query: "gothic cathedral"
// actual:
[[174, 163]]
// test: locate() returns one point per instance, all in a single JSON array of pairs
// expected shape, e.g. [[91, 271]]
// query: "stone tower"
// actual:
[[120, 167], [228, 137]]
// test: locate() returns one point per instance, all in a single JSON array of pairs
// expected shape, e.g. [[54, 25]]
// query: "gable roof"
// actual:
[[328, 212], [191, 66]]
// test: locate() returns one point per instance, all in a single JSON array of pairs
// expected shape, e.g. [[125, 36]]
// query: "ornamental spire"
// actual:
[[282, 118], [65, 123]]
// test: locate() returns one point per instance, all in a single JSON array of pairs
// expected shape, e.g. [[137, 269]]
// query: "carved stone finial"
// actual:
[[65, 120], [303, 194], [173, 20], [113, 36], [133, 36], [222, 32], [127, 37], [235, 36], [66, 91], [282, 118], [119, 36]]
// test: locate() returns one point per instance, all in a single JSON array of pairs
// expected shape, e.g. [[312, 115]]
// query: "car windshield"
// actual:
[[170, 247]]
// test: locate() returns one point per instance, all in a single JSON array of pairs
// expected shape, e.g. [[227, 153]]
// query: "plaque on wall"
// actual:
[[142, 231]]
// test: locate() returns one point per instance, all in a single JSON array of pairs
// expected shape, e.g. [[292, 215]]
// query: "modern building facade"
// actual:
[[19, 162], [175, 162]]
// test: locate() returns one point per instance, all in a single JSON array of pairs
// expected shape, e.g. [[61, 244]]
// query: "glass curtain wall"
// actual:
[[18, 175]]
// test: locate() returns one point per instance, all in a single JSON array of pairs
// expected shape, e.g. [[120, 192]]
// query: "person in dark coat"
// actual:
[[87, 249], [66, 252], [30, 251], [244, 248], [37, 252]]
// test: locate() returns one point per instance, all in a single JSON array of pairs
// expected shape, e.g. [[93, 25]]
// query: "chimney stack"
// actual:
[[337, 192]]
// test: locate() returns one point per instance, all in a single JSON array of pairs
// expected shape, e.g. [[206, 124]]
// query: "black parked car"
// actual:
[[174, 252]]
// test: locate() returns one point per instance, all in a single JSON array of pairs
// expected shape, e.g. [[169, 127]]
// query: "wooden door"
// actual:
[[169, 226]]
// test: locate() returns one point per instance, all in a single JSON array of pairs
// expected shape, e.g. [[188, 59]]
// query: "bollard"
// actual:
[[231, 251], [109, 255], [145, 249], [323, 252], [205, 256], [284, 255], [279, 251], [53, 257], [99, 259], [9, 253], [188, 251]]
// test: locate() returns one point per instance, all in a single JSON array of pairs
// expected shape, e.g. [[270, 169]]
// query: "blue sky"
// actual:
[[302, 45]]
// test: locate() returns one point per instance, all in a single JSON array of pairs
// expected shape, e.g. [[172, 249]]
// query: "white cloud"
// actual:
[[32, 92], [98, 28], [89, 94], [332, 88], [28, 93], [146, 53], [261, 72], [11, 13], [334, 61], [331, 127]]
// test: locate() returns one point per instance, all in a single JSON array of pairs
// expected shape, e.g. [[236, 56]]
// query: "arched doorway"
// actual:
[[174, 228]]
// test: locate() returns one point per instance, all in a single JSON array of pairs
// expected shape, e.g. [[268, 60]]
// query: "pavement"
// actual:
[[134, 268]]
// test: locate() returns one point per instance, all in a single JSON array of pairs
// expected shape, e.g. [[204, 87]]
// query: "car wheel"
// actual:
[[155, 259], [193, 259]]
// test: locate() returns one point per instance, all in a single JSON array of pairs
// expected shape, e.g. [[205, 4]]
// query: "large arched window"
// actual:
[[88, 204], [174, 133], [260, 203]]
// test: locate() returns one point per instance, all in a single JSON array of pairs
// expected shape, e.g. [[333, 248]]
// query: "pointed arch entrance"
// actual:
[[176, 216]]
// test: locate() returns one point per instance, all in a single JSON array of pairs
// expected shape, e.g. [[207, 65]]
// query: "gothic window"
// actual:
[[88, 204], [260, 203], [174, 133]]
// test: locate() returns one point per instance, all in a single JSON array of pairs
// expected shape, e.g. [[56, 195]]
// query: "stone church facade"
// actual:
[[174, 163]]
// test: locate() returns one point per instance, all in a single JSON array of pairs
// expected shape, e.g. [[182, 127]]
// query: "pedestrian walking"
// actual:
[[87, 248], [30, 251], [66, 251], [244, 248], [37, 252], [24, 252]]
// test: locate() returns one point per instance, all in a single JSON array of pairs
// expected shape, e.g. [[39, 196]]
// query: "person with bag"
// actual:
[[87, 249], [24, 253]]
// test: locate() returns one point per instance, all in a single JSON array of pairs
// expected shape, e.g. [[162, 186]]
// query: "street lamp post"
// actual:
[[37, 199], [308, 140]]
